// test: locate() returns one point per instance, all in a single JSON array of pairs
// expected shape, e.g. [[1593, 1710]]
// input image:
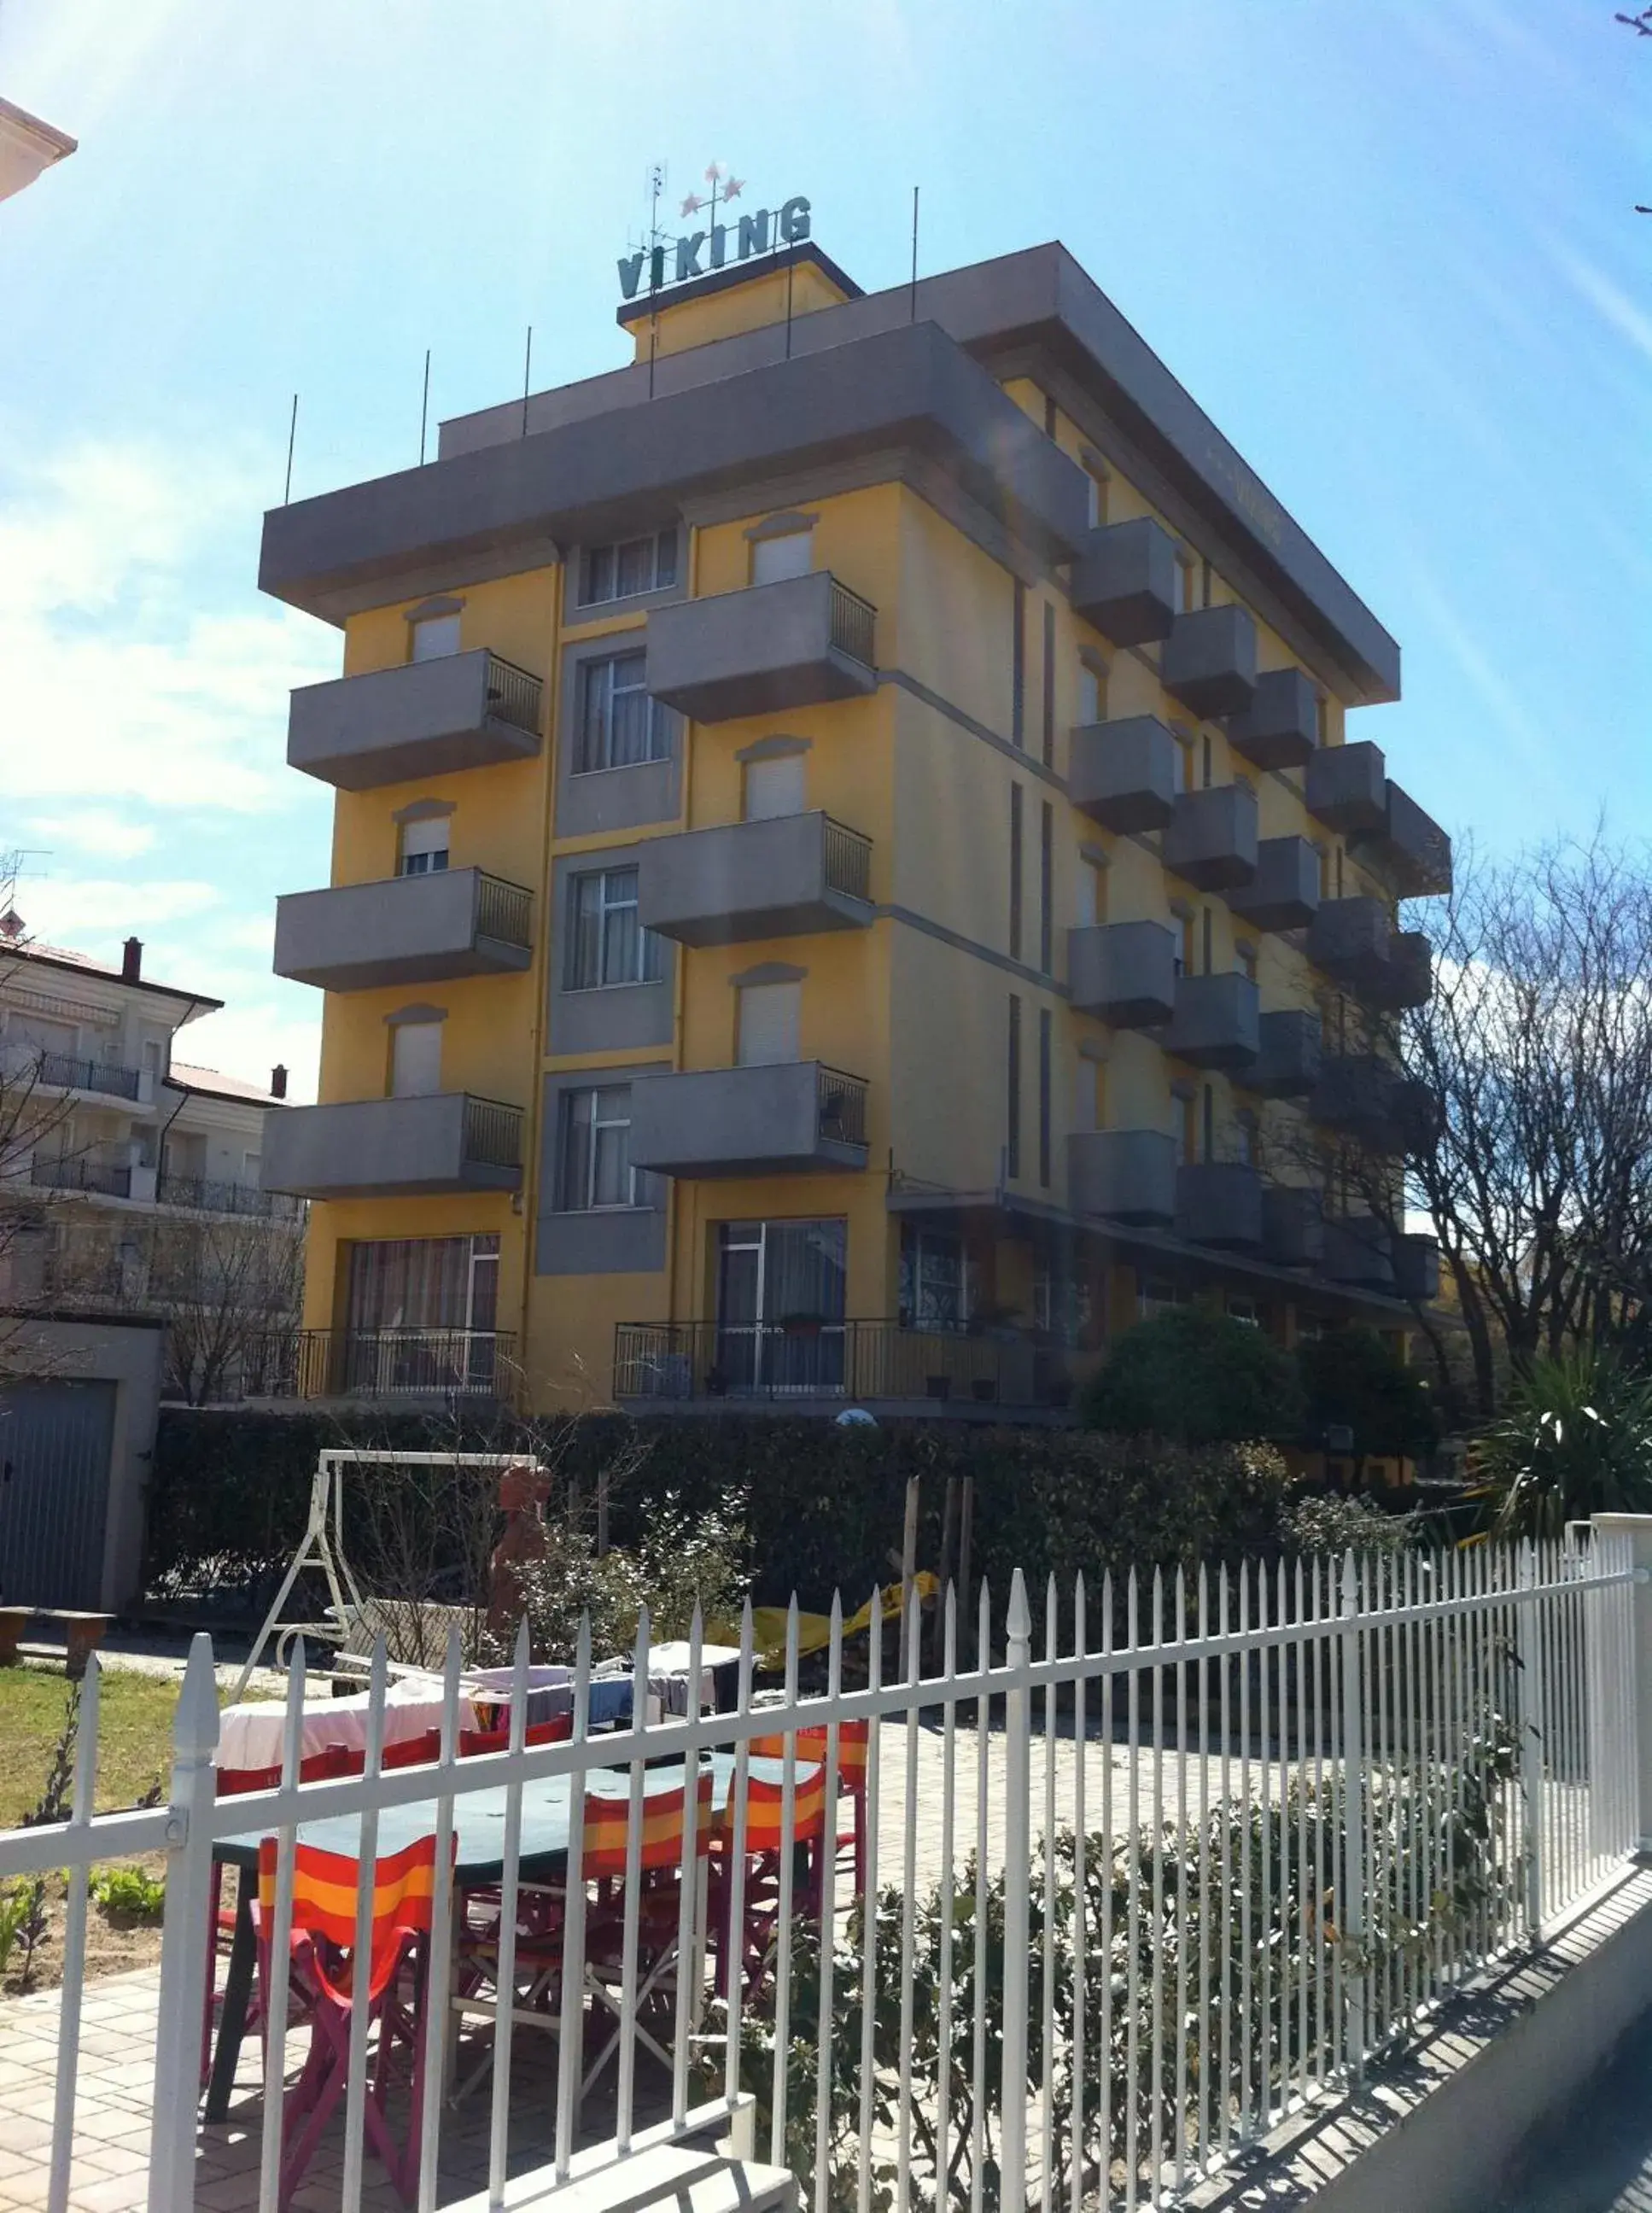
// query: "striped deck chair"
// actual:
[[607, 1825]]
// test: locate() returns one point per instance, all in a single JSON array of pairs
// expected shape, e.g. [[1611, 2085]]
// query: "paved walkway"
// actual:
[[1600, 2160]]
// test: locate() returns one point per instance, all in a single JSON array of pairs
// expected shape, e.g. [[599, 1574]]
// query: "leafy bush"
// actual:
[[1575, 1439], [1198, 1378], [1326, 1522], [1352, 1379], [680, 1564], [21, 1905], [126, 1894]]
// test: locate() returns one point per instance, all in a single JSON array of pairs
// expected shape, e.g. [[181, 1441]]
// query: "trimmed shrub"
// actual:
[[1352, 1379], [1198, 1378]]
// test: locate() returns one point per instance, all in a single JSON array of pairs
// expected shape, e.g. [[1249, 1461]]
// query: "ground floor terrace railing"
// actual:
[[806, 1357], [1073, 1917], [380, 1364]]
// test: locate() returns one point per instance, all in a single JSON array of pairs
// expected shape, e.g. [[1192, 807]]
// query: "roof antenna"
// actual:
[[656, 263], [424, 408], [914, 317], [292, 434], [528, 373]]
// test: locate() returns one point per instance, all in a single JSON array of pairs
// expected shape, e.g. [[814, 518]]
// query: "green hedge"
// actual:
[[824, 1506]]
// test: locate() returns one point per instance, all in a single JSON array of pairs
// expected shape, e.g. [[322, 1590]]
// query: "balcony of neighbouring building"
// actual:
[[1125, 775], [1219, 1203], [388, 1147], [1284, 893], [1122, 972], [408, 1363], [1211, 840], [96, 1172], [1417, 1267], [1412, 850], [1214, 1022], [212, 1194], [1129, 1176], [1280, 728], [1293, 1225], [786, 876], [1358, 1253], [405, 929], [1124, 581], [30, 1067], [1208, 660], [779, 1118], [1355, 943], [422, 718], [1287, 1063], [1346, 788], [797, 644], [1369, 1100]]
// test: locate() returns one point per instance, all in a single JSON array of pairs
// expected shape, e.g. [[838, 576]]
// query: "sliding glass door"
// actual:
[[780, 1289]]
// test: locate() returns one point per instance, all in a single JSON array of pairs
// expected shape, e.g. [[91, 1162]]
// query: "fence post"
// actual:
[[1528, 1656], [1351, 1919], [1634, 1531], [186, 1934], [1018, 1877]]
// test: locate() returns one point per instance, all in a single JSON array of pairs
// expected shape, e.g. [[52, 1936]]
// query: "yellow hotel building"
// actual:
[[851, 881]]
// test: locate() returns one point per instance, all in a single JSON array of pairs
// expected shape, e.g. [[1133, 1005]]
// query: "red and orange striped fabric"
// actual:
[[764, 1805], [325, 1887], [811, 1746], [607, 1825]]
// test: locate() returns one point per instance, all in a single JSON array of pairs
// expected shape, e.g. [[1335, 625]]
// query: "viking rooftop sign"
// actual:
[[719, 245]]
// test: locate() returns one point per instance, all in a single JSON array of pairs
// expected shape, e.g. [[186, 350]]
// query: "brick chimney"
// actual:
[[278, 1081], [132, 961]]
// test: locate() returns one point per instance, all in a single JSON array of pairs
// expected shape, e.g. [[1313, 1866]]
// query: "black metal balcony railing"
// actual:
[[214, 1197], [854, 625], [380, 1364], [842, 1101], [71, 1172], [66, 1073], [848, 860], [804, 1356], [493, 1133], [513, 695], [504, 910]]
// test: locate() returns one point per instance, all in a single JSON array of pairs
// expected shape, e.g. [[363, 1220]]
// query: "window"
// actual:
[[424, 1283], [1158, 1296], [769, 1024], [775, 559], [1207, 766], [1245, 1139], [595, 1166], [1049, 684], [1046, 1044], [1087, 1095], [774, 787], [1018, 662], [415, 1060], [250, 1165], [424, 846], [625, 570], [1182, 1119], [1091, 707], [1209, 967], [1051, 416], [934, 1280], [608, 945], [781, 1301], [1209, 1131], [1205, 597], [1046, 888], [154, 1058], [1242, 1308], [619, 725], [1096, 497], [435, 637], [1181, 595], [1014, 872], [1091, 893], [1013, 1115], [1246, 957]]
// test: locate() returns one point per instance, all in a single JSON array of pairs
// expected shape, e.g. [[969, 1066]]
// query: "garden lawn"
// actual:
[[134, 1735]]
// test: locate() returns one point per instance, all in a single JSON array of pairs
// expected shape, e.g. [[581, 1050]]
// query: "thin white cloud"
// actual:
[[99, 831], [82, 912], [1614, 306]]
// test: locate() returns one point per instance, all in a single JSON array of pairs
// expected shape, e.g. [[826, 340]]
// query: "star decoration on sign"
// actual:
[[692, 204], [732, 187], [713, 173]]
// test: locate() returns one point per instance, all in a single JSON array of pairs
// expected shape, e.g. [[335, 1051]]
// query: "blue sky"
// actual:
[[1390, 247]]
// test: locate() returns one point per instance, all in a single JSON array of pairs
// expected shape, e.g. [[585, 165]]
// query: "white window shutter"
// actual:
[[774, 559], [416, 1060], [771, 1024], [774, 787]]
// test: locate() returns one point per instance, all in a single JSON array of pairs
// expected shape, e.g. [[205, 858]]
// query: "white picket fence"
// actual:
[[1212, 1842]]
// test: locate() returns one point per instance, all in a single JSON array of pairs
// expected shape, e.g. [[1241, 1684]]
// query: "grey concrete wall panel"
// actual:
[[745, 880], [1042, 300], [607, 1240], [497, 510], [1211, 840], [1287, 1063], [425, 718], [1208, 660], [1417, 1267], [1124, 971], [1124, 774], [1372, 1102], [1127, 1175], [1354, 941], [736, 1121], [1284, 893], [1293, 1226], [406, 929], [617, 1017], [379, 1148], [1280, 728], [1358, 1253], [1215, 1022], [1219, 1203], [759, 651], [1124, 581], [1346, 787], [1411, 848]]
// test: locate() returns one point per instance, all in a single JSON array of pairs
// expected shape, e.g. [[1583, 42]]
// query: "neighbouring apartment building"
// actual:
[[851, 876]]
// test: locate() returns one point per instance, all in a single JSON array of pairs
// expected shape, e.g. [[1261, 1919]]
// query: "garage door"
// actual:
[[55, 1444]]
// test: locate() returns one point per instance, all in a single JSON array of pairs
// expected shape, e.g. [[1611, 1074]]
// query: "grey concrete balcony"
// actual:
[[393, 1147], [1123, 775], [1346, 787], [1124, 581], [1129, 1175], [1280, 728], [783, 1119], [1355, 943], [1212, 841], [407, 930], [1215, 1022], [1417, 1268], [1124, 971], [1372, 1103], [425, 718], [788, 877], [1209, 660], [1284, 893], [1358, 1253], [1219, 1203], [797, 644], [1287, 1063], [1293, 1225], [1412, 850]]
